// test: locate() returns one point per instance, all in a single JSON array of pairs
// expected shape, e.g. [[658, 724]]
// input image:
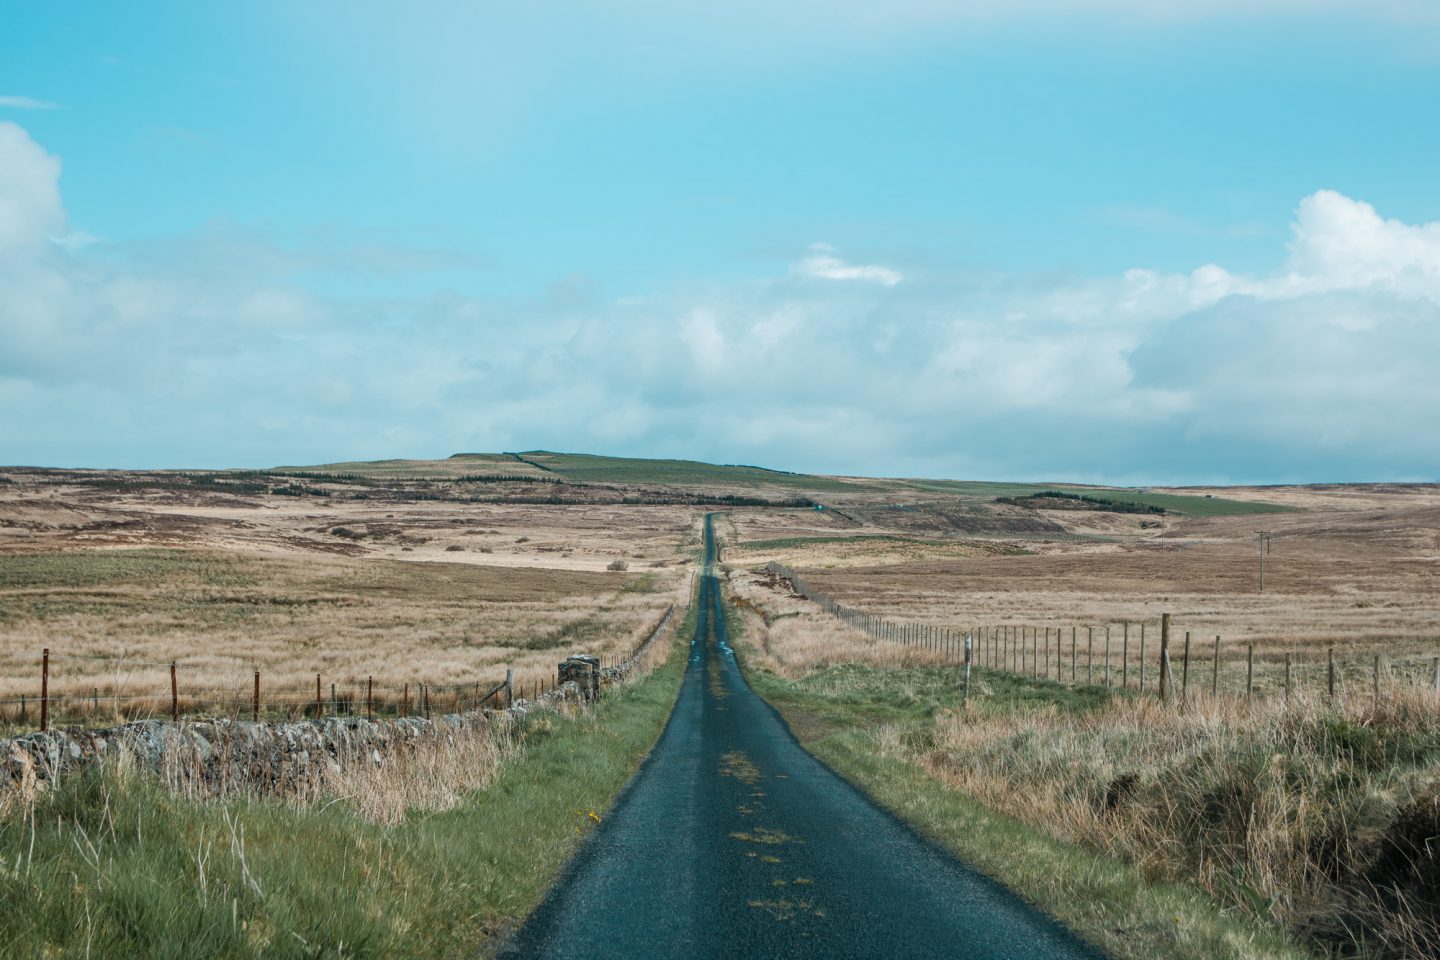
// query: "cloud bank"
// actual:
[[27, 103], [214, 350]]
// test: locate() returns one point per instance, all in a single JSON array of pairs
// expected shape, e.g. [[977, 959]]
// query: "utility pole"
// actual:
[[1262, 537]]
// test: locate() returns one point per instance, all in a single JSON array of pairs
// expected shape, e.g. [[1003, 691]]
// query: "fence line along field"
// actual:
[[1357, 569], [119, 582]]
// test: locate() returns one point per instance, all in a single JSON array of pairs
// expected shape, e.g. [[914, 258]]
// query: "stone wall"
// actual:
[[224, 757]]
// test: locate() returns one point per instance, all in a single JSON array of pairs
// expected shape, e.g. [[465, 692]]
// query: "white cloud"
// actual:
[[207, 350], [30, 209], [823, 263], [27, 103]]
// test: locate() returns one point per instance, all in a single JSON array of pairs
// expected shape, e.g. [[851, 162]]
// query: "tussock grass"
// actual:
[[225, 615], [1214, 827], [111, 865]]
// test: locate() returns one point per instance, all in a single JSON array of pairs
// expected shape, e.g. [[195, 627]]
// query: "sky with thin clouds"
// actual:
[[1092, 240]]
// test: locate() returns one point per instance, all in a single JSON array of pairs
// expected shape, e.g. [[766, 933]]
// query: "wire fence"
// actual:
[[1146, 656], [137, 689]]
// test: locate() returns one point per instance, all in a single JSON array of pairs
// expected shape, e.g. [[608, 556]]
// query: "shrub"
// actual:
[[618, 565]]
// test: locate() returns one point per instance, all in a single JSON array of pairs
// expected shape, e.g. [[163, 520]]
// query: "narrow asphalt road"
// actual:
[[732, 841]]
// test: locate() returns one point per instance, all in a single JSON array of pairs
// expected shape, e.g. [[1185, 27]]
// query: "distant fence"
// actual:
[[1122, 655], [136, 691]]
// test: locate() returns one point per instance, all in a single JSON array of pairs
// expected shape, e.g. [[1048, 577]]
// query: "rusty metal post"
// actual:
[[174, 694], [255, 701], [369, 698], [1330, 673], [319, 708], [45, 689]]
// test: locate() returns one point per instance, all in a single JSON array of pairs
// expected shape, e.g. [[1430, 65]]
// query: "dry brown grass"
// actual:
[[792, 637], [1274, 808], [291, 587], [1357, 569]]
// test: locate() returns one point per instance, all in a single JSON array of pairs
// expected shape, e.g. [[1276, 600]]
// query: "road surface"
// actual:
[[732, 841]]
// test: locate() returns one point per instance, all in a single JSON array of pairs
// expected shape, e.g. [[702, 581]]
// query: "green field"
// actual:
[[791, 543], [583, 467], [1188, 504]]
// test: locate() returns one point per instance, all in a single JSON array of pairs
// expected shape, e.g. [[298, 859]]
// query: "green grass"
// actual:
[[791, 543], [112, 867], [1197, 506], [91, 569], [583, 467], [844, 714]]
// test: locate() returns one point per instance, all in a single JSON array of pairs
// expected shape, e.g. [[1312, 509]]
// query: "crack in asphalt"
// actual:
[[733, 841]]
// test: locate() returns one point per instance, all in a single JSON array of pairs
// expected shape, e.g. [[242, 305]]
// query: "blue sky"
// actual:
[[1110, 240]]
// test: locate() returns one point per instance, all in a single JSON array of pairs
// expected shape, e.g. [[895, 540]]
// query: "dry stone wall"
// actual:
[[225, 757]]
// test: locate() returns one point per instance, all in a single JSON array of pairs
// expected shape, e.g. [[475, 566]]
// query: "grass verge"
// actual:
[[865, 722], [111, 865]]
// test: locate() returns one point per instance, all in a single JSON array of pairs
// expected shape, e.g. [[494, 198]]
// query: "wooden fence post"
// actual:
[[1330, 673], [1072, 654], [1107, 655], [1142, 656], [370, 698], [1249, 671], [319, 704], [509, 688], [255, 702], [1164, 657], [1125, 659], [1435, 674], [965, 697], [1185, 670], [174, 695], [45, 689], [405, 701], [1377, 683], [1215, 670], [1090, 655]]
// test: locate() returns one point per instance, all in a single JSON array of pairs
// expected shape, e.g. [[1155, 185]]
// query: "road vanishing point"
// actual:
[[732, 841]]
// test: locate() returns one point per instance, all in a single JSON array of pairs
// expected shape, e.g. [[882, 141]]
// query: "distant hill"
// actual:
[[583, 469]]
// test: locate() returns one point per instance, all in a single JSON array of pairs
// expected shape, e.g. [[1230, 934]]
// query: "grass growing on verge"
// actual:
[[868, 723], [110, 865]]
